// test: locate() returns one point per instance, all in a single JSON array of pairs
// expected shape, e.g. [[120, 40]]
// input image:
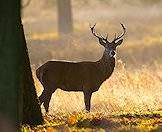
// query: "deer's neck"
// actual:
[[106, 65]]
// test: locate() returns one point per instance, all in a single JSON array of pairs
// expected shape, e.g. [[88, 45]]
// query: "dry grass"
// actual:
[[98, 122]]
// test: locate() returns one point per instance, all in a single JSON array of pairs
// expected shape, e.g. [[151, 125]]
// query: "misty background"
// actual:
[[141, 18]]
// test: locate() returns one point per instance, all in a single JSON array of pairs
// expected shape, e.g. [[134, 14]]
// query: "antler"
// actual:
[[120, 36], [100, 37]]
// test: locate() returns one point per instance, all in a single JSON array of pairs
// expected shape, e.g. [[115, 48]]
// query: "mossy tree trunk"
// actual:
[[18, 99]]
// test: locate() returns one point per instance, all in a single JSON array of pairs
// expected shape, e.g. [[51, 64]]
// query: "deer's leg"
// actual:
[[46, 95], [87, 99], [47, 101]]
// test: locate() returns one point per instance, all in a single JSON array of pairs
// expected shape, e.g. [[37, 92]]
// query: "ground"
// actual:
[[100, 122]]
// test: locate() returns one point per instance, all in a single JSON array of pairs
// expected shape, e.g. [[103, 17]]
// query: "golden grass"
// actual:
[[97, 122]]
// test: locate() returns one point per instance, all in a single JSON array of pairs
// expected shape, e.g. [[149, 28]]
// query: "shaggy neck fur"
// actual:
[[106, 64]]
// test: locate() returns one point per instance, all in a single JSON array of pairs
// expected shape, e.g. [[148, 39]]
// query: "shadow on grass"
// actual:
[[97, 123]]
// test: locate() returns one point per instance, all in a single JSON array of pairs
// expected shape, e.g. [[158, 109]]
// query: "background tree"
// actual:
[[65, 21], [18, 99]]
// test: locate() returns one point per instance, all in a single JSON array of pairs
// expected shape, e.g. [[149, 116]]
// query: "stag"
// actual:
[[81, 76]]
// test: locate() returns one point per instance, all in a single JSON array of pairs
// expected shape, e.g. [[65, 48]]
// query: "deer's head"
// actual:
[[110, 47]]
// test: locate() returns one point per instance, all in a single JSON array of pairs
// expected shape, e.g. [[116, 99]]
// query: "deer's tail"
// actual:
[[39, 74]]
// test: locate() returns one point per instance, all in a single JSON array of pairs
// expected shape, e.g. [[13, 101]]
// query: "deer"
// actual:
[[85, 76]]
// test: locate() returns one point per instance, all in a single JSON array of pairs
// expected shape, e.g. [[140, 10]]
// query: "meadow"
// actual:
[[130, 100]]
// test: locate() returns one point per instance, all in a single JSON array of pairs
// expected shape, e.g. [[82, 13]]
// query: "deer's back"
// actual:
[[70, 76]]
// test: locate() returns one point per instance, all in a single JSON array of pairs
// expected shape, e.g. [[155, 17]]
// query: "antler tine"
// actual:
[[115, 36], [106, 37], [100, 37], [120, 36], [92, 26], [93, 31], [95, 34]]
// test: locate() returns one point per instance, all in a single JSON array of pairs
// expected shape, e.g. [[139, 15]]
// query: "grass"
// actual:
[[99, 122]]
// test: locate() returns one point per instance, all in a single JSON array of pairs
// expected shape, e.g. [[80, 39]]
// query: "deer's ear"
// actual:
[[119, 42]]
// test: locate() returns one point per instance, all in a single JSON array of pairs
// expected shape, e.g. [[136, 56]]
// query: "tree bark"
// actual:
[[65, 21], [18, 99], [31, 109], [11, 63]]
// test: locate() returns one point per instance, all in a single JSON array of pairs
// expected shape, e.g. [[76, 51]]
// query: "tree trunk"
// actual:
[[65, 22], [31, 109], [15, 78], [11, 63]]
